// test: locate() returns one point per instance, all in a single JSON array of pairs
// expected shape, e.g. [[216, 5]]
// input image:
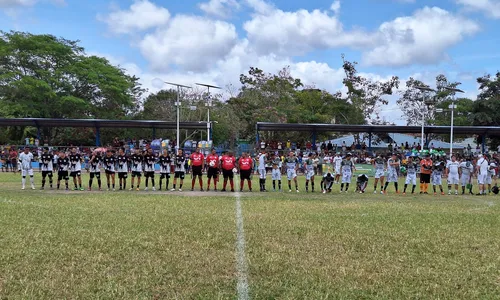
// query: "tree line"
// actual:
[[43, 76]]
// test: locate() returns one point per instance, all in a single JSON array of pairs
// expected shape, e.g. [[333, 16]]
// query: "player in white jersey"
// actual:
[[327, 182], [347, 170], [276, 171], [411, 174], [491, 175], [262, 171], [291, 163], [25, 166], [309, 170], [466, 170], [453, 174], [380, 168], [75, 160], [94, 169], [337, 163], [482, 173], [393, 165], [47, 166]]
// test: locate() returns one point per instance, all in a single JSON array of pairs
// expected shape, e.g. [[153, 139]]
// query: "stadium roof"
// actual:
[[41, 122], [483, 130]]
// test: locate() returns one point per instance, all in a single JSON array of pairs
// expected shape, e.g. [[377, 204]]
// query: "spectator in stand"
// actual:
[[344, 147], [329, 147], [308, 145]]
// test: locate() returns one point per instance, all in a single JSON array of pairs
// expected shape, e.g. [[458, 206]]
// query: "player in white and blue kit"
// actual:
[[411, 174], [437, 174], [291, 163], [337, 164], [309, 170], [393, 165], [262, 171], [379, 165], [276, 171], [347, 170], [26, 168], [453, 174], [466, 170]]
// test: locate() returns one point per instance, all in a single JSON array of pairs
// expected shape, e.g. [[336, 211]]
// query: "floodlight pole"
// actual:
[[423, 89], [208, 104], [178, 105], [452, 107]]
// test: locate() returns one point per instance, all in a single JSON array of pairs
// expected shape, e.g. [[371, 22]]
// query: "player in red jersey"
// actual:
[[245, 164], [197, 164], [228, 164], [213, 162]]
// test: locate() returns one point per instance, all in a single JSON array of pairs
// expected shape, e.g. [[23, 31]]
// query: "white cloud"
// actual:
[[489, 7], [421, 38], [272, 30], [335, 7], [219, 8], [190, 42], [140, 16], [16, 3]]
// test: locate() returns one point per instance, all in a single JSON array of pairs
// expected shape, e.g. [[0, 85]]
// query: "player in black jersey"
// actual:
[[122, 168], [149, 168], [63, 167], [165, 165], [94, 168], [136, 161], [46, 161], [109, 162]]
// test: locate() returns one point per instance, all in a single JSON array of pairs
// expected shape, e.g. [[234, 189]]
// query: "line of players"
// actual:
[[139, 164]]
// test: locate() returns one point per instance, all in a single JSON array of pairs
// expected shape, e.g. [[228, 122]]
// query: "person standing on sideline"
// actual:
[[291, 171], [309, 169], [109, 162], [122, 169], [337, 163], [425, 173], [94, 169], [228, 164], [276, 171], [76, 160], [136, 162], [380, 169], [262, 171], [63, 167], [26, 168], [165, 164], [197, 165], [180, 169], [149, 169], [466, 171]]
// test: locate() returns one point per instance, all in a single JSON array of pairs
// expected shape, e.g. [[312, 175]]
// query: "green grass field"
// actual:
[[151, 245]]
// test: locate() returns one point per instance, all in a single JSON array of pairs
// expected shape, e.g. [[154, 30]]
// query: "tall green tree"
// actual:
[[486, 109], [44, 76]]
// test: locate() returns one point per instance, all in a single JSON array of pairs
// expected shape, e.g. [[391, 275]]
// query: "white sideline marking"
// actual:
[[241, 261]]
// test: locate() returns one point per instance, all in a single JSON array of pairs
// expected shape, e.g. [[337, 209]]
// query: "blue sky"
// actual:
[[215, 40]]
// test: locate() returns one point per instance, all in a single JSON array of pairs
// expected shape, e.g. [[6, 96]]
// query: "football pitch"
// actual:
[[213, 245]]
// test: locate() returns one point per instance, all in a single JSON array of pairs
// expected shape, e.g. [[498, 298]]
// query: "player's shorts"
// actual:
[[276, 174], [392, 176], [122, 175], [149, 174], [425, 178], [109, 172], [62, 175], [197, 171], [262, 173], [136, 174], [437, 179], [453, 179], [379, 174], [337, 171], [227, 174], [481, 178], [27, 172], [212, 172], [291, 174], [309, 174], [411, 179], [47, 173], [346, 177], [488, 180], [164, 175], [75, 174], [180, 175], [464, 180], [95, 174], [245, 174]]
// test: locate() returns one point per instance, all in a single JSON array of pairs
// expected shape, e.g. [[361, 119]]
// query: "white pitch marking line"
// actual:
[[241, 261]]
